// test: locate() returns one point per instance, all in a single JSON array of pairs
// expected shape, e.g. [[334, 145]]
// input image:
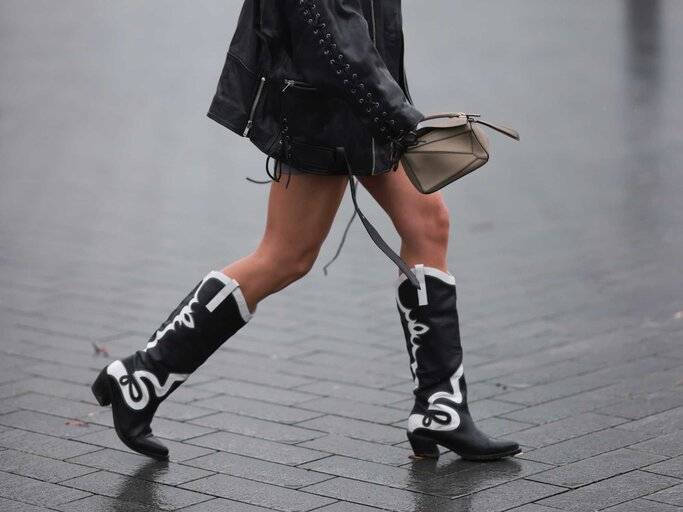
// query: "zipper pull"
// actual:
[[288, 83], [248, 128]]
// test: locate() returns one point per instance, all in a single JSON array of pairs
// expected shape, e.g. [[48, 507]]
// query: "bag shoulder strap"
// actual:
[[514, 134], [376, 237]]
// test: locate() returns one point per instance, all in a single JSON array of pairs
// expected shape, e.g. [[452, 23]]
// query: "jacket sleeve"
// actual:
[[332, 46]]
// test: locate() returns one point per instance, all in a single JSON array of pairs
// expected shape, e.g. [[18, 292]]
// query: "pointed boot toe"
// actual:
[[148, 445], [496, 449]]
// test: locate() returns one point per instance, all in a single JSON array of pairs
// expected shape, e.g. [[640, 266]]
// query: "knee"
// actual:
[[289, 264], [430, 225]]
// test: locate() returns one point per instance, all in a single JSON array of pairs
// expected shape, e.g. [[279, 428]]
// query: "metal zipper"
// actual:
[[374, 37], [254, 104], [298, 84]]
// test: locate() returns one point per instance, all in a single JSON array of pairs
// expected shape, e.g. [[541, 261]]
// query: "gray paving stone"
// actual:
[[375, 380], [365, 493], [259, 470], [50, 387], [351, 392], [658, 424], [253, 427], [130, 464], [356, 448], [567, 428], [553, 390], [52, 405], [40, 444], [260, 410], [169, 429], [105, 504], [488, 408], [63, 372], [669, 445], [362, 470], [356, 363], [505, 496], [345, 506], [256, 493], [596, 468], [671, 496], [352, 409], [190, 394], [144, 492], [39, 468], [257, 392], [585, 446], [563, 408], [7, 505], [498, 427], [548, 373], [84, 359], [642, 505], [645, 405], [356, 429], [258, 448], [452, 476], [612, 491], [672, 467], [223, 505], [181, 412], [533, 507], [253, 369], [338, 345], [49, 424], [35, 492], [178, 451]]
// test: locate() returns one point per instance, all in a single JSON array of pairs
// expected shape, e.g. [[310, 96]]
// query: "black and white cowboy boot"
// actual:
[[440, 415], [135, 385]]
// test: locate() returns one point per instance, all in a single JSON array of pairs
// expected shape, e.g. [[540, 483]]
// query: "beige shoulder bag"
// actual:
[[448, 150]]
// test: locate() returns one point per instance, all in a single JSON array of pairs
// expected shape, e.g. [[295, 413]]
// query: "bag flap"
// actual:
[[452, 122]]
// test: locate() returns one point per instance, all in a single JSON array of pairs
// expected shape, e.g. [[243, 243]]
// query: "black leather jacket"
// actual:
[[303, 78]]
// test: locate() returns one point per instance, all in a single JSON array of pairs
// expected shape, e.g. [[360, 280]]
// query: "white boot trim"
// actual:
[[231, 287], [422, 299], [221, 296], [133, 400], [441, 403], [446, 277]]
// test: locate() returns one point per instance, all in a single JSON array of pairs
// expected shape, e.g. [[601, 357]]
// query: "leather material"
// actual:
[[343, 61], [448, 150], [440, 413], [135, 385]]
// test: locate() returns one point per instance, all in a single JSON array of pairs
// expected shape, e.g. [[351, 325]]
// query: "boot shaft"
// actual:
[[210, 314], [429, 317]]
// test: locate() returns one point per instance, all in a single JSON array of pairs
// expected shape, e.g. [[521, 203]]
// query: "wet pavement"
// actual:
[[117, 194]]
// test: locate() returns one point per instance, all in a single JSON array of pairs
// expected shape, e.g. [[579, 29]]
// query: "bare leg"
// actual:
[[299, 219], [421, 220]]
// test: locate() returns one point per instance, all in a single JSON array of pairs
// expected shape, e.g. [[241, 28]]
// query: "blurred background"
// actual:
[[117, 194], [107, 158]]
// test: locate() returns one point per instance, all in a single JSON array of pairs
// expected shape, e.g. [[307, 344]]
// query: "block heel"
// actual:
[[423, 447], [100, 388]]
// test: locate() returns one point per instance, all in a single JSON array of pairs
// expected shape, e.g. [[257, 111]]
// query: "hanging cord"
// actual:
[[281, 154], [376, 238], [399, 146], [341, 244]]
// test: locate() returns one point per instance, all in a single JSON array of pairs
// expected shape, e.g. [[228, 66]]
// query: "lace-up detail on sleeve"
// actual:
[[367, 102]]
